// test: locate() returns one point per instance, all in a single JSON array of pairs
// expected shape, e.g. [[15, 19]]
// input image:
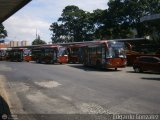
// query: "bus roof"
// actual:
[[46, 46]]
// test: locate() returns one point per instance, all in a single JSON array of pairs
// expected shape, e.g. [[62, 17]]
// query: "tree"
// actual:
[[3, 32], [59, 33], [73, 19], [38, 41], [118, 21], [73, 25], [126, 14], [98, 21]]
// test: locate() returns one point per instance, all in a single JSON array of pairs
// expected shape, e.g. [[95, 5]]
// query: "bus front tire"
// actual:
[[98, 65], [138, 69], [38, 61]]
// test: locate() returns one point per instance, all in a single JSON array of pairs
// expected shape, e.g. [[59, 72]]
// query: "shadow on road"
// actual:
[[47, 63], [156, 79], [4, 109], [86, 68], [144, 73]]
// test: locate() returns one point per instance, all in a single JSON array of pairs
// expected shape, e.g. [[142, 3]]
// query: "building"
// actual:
[[14, 44], [155, 17], [24, 43], [18, 43], [4, 45]]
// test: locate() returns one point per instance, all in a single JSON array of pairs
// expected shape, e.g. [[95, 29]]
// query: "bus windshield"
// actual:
[[116, 50], [62, 51]]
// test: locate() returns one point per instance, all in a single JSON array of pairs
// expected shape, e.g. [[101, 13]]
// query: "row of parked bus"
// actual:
[[101, 54]]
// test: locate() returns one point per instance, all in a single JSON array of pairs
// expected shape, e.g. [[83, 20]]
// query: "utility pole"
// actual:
[[36, 34]]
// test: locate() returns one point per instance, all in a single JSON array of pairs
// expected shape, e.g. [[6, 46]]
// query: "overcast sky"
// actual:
[[40, 14]]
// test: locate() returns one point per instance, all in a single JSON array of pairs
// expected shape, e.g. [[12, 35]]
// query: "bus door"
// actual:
[[100, 53], [89, 50], [81, 55], [51, 55], [55, 54], [103, 54]]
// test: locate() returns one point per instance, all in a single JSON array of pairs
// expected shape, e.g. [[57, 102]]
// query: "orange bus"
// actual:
[[105, 54], [50, 54]]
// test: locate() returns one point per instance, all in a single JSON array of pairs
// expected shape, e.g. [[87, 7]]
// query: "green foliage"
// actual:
[[127, 13], [118, 21], [3, 32], [73, 25], [38, 41]]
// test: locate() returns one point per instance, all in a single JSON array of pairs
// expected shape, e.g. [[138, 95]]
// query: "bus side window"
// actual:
[[99, 52], [103, 51], [55, 54]]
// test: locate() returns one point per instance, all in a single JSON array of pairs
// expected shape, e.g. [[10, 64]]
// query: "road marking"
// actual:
[[48, 84], [39, 97], [92, 108], [66, 98]]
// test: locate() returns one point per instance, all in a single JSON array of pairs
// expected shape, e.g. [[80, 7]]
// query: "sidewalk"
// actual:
[[4, 102]]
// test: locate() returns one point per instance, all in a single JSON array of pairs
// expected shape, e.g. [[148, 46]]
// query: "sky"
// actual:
[[38, 15]]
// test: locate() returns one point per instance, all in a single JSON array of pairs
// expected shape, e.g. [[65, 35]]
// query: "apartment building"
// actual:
[[14, 44]]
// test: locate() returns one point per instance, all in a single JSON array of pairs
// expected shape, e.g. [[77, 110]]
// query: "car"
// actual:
[[146, 63]]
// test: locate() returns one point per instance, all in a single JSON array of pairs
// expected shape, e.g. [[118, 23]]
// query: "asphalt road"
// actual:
[[73, 89]]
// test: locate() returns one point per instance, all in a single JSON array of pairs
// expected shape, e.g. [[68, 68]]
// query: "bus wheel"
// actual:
[[51, 62], [38, 61], [20, 60], [115, 69], [98, 65], [138, 69]]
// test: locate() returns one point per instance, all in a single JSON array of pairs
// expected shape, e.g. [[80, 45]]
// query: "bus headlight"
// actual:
[[109, 63]]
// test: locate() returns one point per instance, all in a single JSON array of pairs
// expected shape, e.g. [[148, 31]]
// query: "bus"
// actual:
[[15, 54], [50, 54], [105, 54], [75, 53]]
